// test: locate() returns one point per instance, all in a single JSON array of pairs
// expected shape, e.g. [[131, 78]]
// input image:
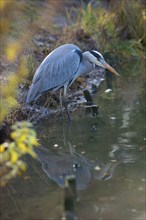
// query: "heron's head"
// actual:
[[97, 59]]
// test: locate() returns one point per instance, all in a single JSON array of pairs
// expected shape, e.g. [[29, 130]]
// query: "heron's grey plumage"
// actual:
[[60, 68]]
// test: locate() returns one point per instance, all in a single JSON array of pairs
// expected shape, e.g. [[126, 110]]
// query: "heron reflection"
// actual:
[[58, 165]]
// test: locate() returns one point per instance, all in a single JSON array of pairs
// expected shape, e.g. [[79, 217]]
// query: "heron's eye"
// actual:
[[101, 60]]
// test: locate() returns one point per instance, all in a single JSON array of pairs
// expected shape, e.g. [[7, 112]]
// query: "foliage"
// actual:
[[24, 138], [128, 48], [119, 29], [8, 92], [130, 20]]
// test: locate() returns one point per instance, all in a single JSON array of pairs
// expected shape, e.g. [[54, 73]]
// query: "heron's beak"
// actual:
[[107, 66]]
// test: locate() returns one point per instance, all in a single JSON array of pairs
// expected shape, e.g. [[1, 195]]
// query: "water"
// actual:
[[105, 152]]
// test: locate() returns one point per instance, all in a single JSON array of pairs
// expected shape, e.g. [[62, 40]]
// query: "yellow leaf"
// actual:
[[23, 147], [13, 135], [12, 50], [14, 156], [25, 131], [2, 148], [21, 165], [34, 142], [22, 138], [2, 4]]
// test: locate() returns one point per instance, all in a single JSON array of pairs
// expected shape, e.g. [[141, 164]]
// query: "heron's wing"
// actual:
[[55, 58], [57, 69]]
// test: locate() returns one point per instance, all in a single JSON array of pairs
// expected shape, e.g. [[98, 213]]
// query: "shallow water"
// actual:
[[105, 152]]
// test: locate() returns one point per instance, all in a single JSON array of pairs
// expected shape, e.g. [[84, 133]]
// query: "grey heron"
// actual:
[[62, 67]]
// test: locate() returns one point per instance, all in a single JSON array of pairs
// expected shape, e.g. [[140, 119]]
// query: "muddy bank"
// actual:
[[47, 27]]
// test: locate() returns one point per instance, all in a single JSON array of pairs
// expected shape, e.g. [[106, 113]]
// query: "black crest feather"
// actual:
[[96, 54]]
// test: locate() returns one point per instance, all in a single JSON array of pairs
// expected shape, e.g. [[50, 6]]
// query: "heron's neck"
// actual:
[[86, 65]]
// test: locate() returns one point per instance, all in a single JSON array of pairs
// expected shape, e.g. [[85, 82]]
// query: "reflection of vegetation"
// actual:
[[119, 29]]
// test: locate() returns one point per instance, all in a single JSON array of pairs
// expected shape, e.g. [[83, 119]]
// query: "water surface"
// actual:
[[105, 152]]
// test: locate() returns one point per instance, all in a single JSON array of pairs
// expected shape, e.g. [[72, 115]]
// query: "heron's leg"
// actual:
[[65, 105], [65, 88], [60, 99], [64, 102]]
